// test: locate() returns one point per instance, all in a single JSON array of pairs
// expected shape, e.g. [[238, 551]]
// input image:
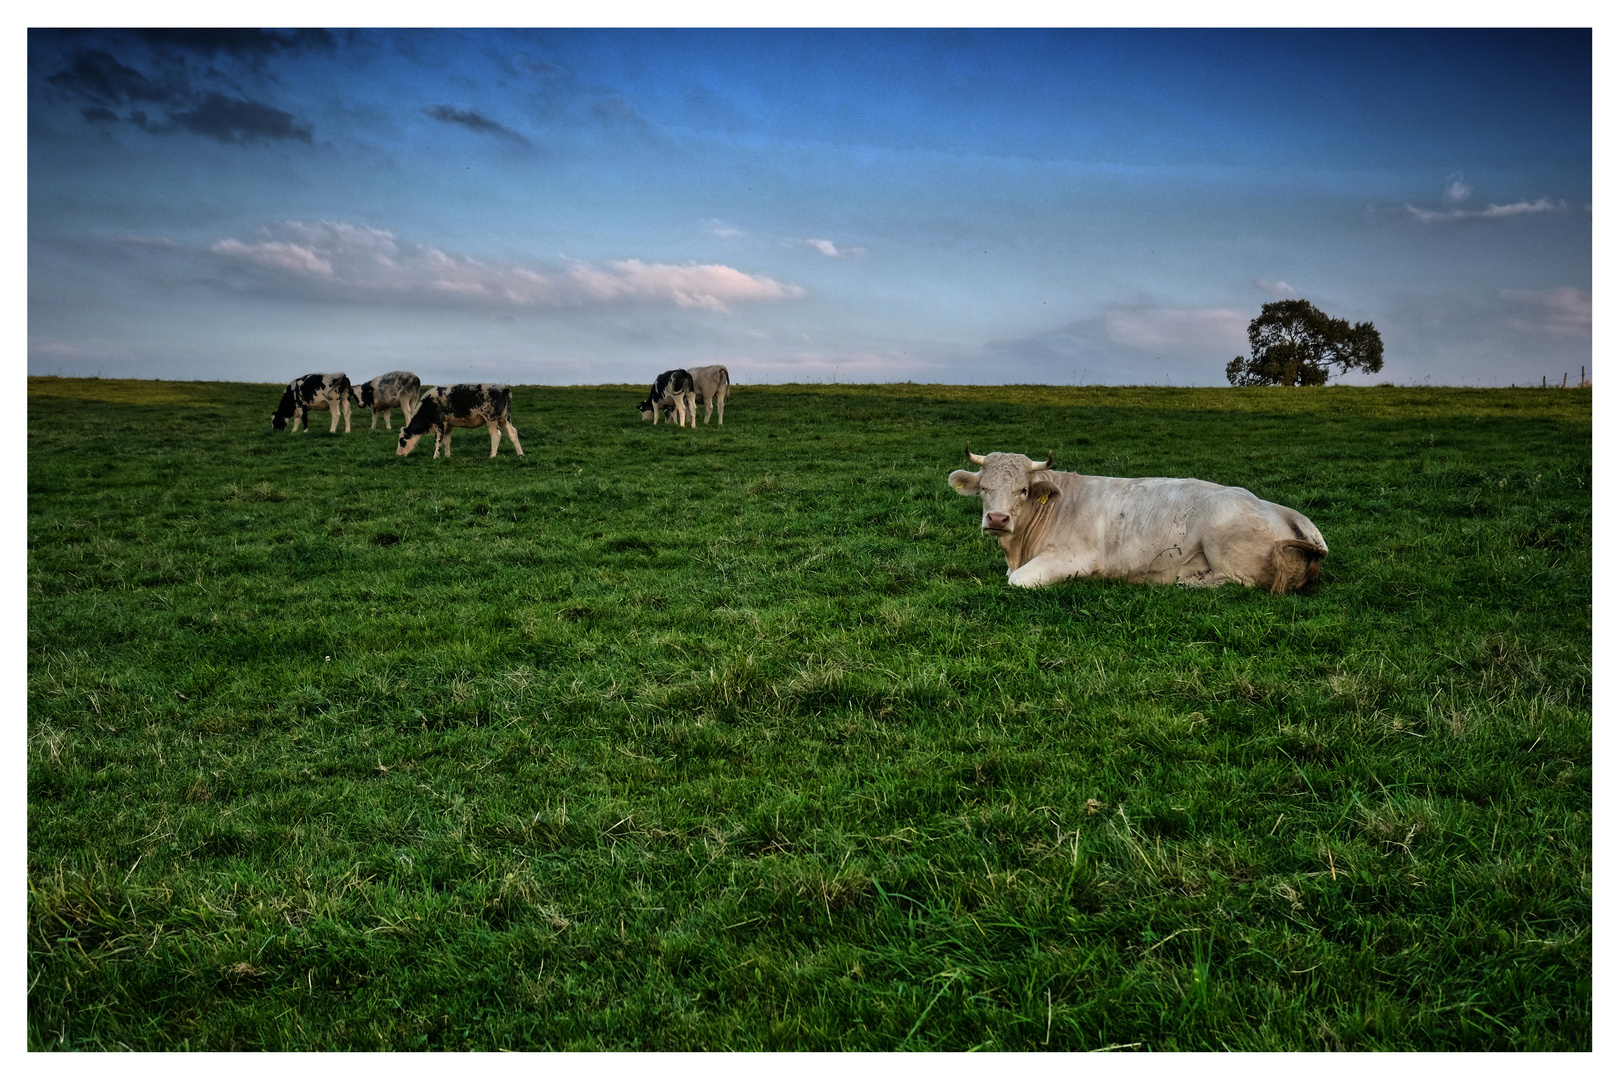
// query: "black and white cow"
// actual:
[[672, 390], [445, 408], [384, 392], [313, 393]]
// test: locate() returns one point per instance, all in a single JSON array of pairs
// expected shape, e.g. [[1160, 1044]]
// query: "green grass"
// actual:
[[737, 738]]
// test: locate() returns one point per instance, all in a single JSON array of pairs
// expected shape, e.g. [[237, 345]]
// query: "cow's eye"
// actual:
[[1023, 491]]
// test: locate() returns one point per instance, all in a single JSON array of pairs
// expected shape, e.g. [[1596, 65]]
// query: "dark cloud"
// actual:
[[469, 119], [249, 45], [539, 68], [236, 121], [99, 76], [178, 98], [617, 109]]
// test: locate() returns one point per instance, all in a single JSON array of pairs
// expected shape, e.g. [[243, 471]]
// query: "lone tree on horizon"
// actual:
[[1292, 343]]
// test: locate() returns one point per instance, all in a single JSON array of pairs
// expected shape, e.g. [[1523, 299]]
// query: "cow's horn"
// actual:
[[1043, 466], [977, 459]]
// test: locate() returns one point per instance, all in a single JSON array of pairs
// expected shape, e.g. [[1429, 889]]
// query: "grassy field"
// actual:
[[737, 738]]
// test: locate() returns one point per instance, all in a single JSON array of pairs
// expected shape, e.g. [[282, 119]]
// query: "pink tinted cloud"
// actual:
[[360, 262]]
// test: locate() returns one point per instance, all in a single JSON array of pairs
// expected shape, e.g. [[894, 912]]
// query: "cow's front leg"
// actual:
[[1050, 568]]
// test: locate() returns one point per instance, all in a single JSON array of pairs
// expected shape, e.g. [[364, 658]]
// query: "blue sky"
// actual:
[[988, 207]]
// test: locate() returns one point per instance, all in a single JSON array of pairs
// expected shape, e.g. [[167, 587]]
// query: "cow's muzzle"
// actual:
[[998, 523]]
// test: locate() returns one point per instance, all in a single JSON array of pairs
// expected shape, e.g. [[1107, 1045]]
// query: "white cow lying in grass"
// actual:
[[1057, 525]]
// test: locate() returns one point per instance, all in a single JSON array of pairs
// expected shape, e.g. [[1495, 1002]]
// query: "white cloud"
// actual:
[[1457, 190], [359, 262], [1179, 332], [291, 258], [717, 227], [358, 238], [1542, 205], [1280, 289], [1564, 312], [691, 285], [833, 251]]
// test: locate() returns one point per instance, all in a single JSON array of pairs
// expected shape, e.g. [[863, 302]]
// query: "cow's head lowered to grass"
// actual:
[[284, 411], [1006, 483], [427, 418]]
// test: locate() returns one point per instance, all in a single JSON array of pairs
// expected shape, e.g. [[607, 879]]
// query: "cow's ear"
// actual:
[[965, 483], [1043, 490]]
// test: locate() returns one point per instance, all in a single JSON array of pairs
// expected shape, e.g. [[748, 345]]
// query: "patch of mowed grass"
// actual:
[[736, 738]]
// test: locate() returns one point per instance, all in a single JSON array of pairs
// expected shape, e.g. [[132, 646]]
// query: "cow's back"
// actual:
[[319, 387], [468, 404], [398, 387], [1163, 529], [1122, 522], [710, 381]]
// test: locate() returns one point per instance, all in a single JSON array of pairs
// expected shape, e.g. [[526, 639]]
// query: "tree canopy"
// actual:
[[1292, 343]]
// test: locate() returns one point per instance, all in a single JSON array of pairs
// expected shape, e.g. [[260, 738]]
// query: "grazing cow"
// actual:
[[711, 384], [1057, 525], [671, 390], [313, 393], [445, 408], [384, 392]]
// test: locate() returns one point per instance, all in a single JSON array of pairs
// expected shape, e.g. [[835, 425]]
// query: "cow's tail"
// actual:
[[1294, 564]]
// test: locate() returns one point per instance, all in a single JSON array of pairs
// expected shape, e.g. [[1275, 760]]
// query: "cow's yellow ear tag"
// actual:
[[1044, 498]]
